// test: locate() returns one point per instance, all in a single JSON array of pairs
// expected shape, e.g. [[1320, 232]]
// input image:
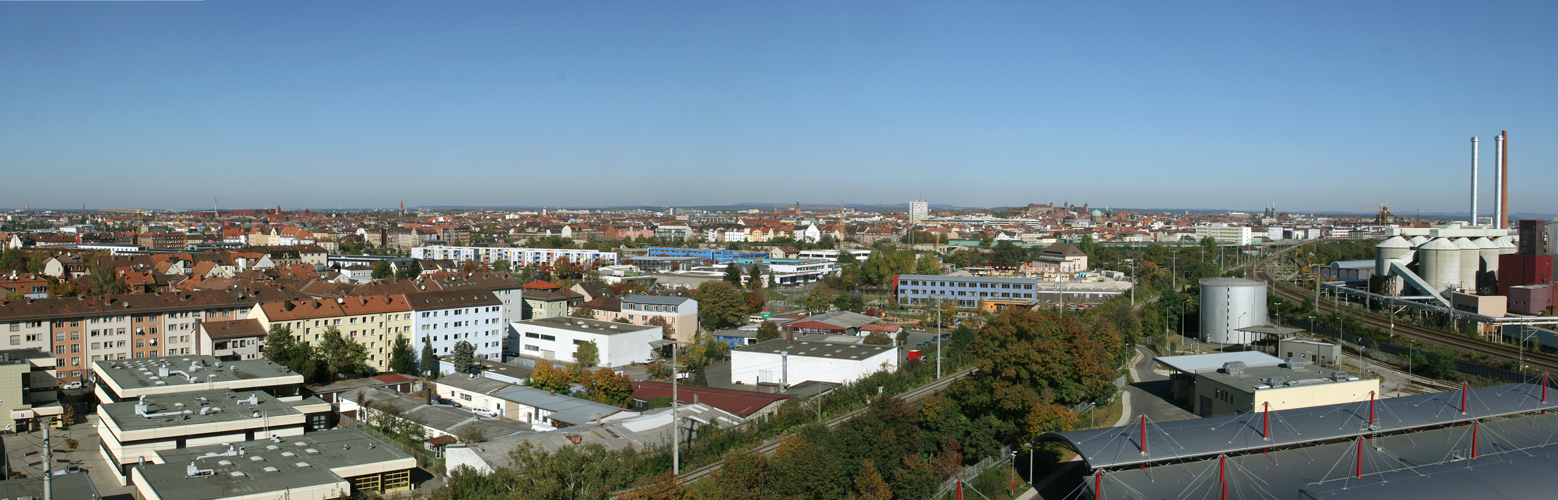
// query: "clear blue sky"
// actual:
[[1310, 105]]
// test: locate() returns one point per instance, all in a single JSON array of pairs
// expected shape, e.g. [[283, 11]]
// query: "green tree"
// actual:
[[411, 270], [285, 350], [104, 282], [869, 484], [582, 312], [607, 387], [1011, 383], [402, 360], [427, 364], [818, 299], [382, 270], [927, 264], [755, 280], [733, 274], [587, 354], [470, 434], [341, 355], [464, 357], [720, 305], [502, 266], [879, 338], [849, 301], [14, 260], [768, 331]]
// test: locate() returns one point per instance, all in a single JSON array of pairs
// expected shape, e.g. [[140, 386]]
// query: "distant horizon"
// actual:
[[861, 207]]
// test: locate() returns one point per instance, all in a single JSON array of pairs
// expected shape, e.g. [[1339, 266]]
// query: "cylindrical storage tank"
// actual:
[[1418, 241], [1394, 249], [1506, 245], [1470, 256], [1489, 254], [1439, 261], [1228, 304]]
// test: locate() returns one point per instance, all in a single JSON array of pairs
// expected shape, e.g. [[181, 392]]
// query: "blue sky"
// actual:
[[1309, 105]]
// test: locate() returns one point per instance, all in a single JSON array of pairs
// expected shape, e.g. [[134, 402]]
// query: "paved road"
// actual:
[[1151, 392], [24, 450]]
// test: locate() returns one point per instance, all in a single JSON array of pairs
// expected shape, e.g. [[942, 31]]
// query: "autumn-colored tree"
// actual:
[[1012, 381], [756, 300], [608, 387], [550, 377], [662, 487], [869, 484]]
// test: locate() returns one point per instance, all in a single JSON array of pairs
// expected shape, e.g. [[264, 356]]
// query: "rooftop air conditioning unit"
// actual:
[[1297, 363], [1234, 367]]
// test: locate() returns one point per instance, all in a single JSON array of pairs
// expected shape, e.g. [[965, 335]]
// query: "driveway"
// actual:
[[24, 450], [1151, 393]]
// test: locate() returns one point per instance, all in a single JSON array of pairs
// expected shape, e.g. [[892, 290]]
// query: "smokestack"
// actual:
[[1498, 182], [1504, 202], [1474, 182]]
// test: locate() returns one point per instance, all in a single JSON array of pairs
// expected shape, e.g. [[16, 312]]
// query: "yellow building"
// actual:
[[373, 321]]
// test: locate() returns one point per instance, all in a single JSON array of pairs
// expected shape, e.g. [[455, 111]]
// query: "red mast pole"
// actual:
[[1098, 485], [1360, 456], [1371, 408], [960, 488], [1464, 386], [1474, 437], [1265, 426], [1222, 474], [1144, 434], [1544, 387]]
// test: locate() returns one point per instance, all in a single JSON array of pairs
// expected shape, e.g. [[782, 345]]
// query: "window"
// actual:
[[76, 335], [16, 327], [532, 348], [466, 397], [16, 340], [75, 348]]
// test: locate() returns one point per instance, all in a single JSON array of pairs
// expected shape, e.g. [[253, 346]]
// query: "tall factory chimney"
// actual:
[[1503, 139], [1474, 182], [1498, 182]]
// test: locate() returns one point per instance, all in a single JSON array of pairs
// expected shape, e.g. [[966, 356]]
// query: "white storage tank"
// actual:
[[1394, 249], [1470, 257], [1228, 304], [1439, 262], [1418, 241]]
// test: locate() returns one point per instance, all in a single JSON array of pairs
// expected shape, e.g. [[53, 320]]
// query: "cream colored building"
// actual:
[[373, 321], [1296, 384]]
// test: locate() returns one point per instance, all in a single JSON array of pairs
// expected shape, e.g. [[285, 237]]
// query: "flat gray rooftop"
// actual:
[[236, 476], [173, 410], [596, 327], [1194, 363], [1309, 375], [333, 449], [73, 486], [829, 350], [132, 374]]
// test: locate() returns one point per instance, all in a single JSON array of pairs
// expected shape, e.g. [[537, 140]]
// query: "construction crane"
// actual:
[[28, 207], [1384, 216]]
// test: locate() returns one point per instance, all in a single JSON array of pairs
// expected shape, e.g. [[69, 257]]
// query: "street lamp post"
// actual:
[[1132, 262]]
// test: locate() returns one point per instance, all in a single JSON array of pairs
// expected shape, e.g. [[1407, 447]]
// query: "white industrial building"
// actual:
[[1436, 261], [1229, 304], [559, 338], [786, 363], [516, 256]]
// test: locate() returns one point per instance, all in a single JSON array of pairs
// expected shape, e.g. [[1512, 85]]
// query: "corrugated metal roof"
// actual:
[[1119, 446]]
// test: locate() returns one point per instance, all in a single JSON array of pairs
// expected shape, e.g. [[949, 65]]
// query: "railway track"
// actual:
[[1536, 361], [768, 447]]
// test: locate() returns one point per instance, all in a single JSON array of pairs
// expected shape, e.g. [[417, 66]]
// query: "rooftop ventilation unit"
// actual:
[[1297, 363], [1234, 368]]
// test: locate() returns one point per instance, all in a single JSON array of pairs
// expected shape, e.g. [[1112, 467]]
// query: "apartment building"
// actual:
[[27, 388], [444, 319], [679, 313], [516, 256], [373, 321], [79, 330], [231, 340], [1227, 234]]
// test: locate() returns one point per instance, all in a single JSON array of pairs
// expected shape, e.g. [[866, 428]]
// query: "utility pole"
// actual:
[[939, 304], [48, 462], [676, 440]]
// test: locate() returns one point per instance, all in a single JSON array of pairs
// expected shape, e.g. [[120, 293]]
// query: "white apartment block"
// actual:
[[516, 256], [444, 319]]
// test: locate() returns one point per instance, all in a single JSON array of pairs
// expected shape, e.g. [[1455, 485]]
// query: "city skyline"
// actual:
[[165, 105]]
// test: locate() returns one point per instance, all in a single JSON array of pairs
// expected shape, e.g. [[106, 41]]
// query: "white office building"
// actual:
[[919, 210], [966, 290], [1226, 233], [559, 338], [787, 363], [516, 256]]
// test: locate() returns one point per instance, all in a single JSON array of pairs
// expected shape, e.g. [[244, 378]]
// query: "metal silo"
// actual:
[[1228, 304], [1440, 264], [1418, 241], [1394, 249], [1470, 257]]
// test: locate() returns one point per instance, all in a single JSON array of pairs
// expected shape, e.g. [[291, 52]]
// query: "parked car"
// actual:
[[73, 385]]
